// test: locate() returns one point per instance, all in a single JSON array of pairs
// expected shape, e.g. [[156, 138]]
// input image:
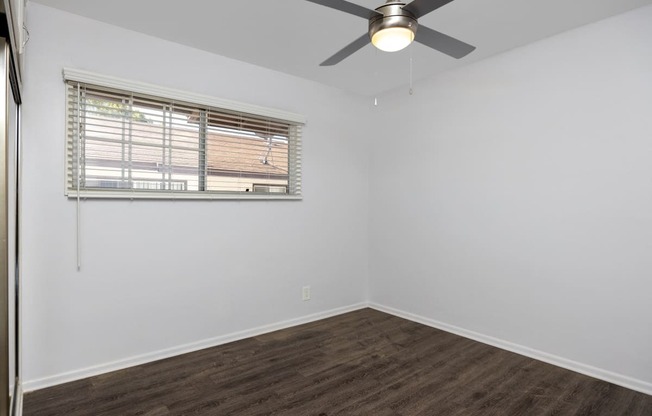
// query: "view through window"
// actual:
[[145, 145]]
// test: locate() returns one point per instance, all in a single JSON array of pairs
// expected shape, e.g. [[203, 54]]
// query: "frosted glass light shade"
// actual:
[[392, 39]]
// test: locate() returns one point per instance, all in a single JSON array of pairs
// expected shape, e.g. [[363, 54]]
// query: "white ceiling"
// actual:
[[294, 36]]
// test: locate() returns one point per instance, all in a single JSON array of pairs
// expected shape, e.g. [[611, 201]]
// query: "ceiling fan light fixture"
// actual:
[[392, 39], [393, 28]]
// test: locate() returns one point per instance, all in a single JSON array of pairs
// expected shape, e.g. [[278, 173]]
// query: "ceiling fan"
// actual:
[[393, 26]]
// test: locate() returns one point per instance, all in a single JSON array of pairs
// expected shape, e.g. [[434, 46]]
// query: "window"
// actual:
[[133, 140]]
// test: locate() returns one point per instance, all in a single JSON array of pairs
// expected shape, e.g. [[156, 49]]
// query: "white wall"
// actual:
[[158, 274], [513, 197]]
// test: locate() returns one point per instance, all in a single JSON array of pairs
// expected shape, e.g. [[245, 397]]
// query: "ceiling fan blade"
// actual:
[[346, 7], [348, 50], [443, 43], [422, 7]]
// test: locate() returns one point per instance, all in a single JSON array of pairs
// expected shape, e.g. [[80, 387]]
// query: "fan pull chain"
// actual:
[[411, 90], [376, 74]]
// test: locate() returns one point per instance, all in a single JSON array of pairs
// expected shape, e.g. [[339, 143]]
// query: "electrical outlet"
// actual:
[[305, 293]]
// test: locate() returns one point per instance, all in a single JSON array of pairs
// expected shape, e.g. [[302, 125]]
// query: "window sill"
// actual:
[[207, 196]]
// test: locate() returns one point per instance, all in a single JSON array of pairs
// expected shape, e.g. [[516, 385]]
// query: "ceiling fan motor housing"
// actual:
[[393, 16]]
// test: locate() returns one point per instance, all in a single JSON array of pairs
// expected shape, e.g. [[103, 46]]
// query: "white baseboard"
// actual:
[[611, 377], [599, 373], [49, 381]]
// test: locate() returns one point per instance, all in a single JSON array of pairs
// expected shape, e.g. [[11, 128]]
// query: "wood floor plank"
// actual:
[[364, 363]]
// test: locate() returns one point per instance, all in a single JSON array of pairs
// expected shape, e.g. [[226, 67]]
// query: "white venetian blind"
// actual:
[[122, 143]]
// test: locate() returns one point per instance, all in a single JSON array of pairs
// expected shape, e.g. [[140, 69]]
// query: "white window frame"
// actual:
[[136, 87]]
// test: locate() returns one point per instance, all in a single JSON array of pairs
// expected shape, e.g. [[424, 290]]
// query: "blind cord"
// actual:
[[78, 176]]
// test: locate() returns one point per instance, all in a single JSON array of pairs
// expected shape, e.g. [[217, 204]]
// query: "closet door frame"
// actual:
[[4, 236]]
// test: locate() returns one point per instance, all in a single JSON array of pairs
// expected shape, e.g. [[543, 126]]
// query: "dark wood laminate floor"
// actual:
[[361, 363]]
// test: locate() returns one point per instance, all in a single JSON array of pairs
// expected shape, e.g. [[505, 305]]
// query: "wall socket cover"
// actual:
[[305, 293]]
